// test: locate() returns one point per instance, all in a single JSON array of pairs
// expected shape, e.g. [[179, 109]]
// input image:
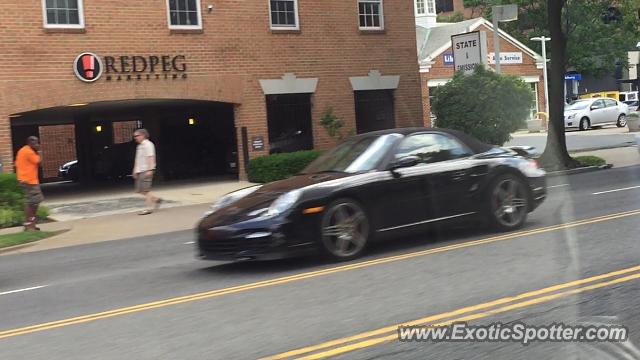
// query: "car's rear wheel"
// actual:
[[584, 124], [508, 202], [345, 229], [622, 121]]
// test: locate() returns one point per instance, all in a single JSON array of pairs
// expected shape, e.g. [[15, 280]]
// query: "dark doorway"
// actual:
[[201, 142], [289, 120], [193, 139], [374, 110]]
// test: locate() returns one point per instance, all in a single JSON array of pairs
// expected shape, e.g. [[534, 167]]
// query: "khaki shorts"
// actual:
[[143, 183], [32, 194]]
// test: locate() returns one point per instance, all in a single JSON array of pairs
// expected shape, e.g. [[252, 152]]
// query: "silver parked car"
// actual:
[[596, 112]]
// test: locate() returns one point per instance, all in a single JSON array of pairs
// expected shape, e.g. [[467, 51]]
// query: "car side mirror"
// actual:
[[405, 162], [595, 107]]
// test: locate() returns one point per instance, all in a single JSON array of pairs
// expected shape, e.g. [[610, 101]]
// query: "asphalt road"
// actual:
[[149, 298], [580, 141]]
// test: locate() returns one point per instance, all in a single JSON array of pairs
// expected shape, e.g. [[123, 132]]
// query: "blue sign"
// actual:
[[577, 77], [448, 58]]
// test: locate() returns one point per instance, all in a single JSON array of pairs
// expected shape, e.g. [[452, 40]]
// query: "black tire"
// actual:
[[345, 230], [584, 124], [507, 206], [622, 121]]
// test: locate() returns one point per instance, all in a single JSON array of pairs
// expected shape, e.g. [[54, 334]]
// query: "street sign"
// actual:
[[469, 50], [448, 58], [506, 58], [577, 77]]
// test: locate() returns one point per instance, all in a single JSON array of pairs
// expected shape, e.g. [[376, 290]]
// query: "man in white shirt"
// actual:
[[143, 169]]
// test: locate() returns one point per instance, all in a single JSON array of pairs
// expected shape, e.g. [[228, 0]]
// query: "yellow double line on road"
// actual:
[[389, 333], [301, 276]]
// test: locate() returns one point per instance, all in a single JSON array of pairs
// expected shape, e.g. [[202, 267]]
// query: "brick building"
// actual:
[[212, 80], [436, 56]]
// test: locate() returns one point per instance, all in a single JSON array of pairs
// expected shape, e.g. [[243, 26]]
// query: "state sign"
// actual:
[[469, 50]]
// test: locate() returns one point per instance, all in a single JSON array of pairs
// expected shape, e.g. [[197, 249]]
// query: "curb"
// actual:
[[14, 248], [578, 170], [19, 247]]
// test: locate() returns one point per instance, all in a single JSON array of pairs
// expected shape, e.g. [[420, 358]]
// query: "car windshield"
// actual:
[[354, 155], [578, 105]]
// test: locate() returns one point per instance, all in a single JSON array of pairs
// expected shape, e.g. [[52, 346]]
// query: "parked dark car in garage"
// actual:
[[374, 186]]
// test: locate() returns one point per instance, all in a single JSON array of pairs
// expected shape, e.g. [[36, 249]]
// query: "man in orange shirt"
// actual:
[[27, 162]]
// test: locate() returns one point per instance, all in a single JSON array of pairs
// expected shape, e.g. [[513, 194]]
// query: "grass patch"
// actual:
[[590, 160], [23, 238]]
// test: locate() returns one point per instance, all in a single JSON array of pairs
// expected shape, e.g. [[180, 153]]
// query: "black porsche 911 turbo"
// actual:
[[374, 186]]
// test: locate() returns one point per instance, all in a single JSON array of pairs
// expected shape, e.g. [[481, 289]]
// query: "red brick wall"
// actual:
[[528, 68], [58, 144], [123, 131], [225, 60]]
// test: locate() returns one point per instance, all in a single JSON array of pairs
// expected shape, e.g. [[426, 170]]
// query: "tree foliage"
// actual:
[[484, 104], [599, 32]]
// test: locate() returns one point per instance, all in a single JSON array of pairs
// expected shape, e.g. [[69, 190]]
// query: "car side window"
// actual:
[[598, 104], [610, 103], [431, 148]]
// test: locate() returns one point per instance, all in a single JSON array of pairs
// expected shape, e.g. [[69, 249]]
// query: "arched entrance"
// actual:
[[194, 138]]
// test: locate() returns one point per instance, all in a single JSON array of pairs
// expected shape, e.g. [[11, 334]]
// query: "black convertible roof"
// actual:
[[474, 144]]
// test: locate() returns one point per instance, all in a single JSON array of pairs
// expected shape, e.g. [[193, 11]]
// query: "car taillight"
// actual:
[[535, 164]]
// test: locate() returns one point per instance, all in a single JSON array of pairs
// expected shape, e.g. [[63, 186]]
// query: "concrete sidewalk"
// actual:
[[618, 157], [101, 217]]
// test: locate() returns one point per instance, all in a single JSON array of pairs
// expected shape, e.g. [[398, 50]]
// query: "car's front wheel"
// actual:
[[508, 202], [345, 229], [622, 121], [584, 124]]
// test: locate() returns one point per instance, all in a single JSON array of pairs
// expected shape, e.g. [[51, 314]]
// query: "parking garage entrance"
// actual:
[[94, 142]]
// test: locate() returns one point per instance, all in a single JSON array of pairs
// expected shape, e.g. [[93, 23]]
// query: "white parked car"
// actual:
[[596, 112]]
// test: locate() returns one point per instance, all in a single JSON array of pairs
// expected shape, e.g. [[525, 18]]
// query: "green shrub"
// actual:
[[279, 166], [11, 202], [486, 105], [590, 160]]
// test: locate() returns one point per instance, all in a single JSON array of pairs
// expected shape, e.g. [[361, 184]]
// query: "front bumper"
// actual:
[[259, 241]]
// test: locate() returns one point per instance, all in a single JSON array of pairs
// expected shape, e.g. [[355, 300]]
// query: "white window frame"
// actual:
[[372, 28], [282, 27], [424, 7], [185, 27], [46, 25], [430, 4]]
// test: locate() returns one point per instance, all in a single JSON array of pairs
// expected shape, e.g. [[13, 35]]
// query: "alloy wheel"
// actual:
[[622, 121], [510, 205], [345, 230]]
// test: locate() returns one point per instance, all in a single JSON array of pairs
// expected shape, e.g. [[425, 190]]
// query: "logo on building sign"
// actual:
[[448, 58], [88, 67]]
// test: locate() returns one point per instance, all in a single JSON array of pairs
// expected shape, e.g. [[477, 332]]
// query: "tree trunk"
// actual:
[[555, 155]]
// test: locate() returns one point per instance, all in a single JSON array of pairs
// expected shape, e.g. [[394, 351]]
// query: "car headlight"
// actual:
[[572, 116], [283, 203], [231, 198]]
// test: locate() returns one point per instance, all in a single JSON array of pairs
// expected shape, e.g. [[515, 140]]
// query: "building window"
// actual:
[[374, 110], [184, 14], [420, 7], [444, 6], [431, 6], [289, 121], [63, 13], [371, 14], [284, 14]]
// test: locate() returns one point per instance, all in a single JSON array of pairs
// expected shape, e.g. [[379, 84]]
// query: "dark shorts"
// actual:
[[143, 183], [32, 194]]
